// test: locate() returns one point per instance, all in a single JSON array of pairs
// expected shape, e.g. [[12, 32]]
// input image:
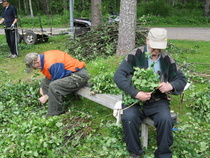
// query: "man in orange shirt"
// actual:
[[63, 75]]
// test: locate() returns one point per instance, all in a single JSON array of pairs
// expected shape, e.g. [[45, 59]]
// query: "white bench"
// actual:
[[109, 101]]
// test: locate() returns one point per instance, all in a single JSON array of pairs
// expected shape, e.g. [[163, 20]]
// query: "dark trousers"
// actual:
[[159, 112], [11, 37], [61, 87]]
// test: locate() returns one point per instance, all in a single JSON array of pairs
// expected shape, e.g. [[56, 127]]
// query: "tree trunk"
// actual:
[[31, 9], [127, 27], [83, 4], [206, 8], [25, 6], [95, 13], [65, 6], [46, 6], [19, 5], [37, 5]]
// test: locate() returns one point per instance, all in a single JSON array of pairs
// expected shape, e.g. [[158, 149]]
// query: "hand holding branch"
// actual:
[[165, 87], [143, 96]]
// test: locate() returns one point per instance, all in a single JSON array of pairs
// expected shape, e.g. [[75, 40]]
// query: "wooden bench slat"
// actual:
[[107, 100]]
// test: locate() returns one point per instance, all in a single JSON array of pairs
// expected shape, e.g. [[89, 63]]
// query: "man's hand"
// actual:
[[43, 99], [165, 87], [1, 21], [143, 96]]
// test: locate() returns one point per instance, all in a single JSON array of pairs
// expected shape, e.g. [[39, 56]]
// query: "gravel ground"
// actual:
[[182, 33]]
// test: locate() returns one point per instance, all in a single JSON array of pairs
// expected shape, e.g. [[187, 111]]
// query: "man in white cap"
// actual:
[[155, 105]]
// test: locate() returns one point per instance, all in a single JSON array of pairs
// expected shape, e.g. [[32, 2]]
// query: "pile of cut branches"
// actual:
[[101, 41]]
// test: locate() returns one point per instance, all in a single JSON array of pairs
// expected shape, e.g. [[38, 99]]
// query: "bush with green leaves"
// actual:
[[201, 105], [155, 7], [191, 137], [104, 83]]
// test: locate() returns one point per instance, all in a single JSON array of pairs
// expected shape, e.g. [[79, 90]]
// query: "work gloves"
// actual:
[[12, 26]]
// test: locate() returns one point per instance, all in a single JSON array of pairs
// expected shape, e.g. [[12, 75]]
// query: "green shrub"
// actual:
[[201, 104], [154, 7]]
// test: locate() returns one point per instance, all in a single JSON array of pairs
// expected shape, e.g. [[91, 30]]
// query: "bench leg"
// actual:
[[144, 134]]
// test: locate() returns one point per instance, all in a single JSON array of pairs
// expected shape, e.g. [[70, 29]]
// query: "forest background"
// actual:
[[88, 129], [170, 12]]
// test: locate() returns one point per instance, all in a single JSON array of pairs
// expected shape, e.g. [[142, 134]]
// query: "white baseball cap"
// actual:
[[157, 38]]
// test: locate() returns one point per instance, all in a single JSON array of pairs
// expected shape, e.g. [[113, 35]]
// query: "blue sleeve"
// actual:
[[2, 13], [57, 71]]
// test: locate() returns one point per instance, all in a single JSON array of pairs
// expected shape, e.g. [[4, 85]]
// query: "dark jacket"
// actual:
[[137, 58], [9, 14]]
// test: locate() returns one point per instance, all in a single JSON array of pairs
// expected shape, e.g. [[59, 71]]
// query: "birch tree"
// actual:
[[46, 4], [31, 9], [25, 6], [65, 5], [206, 8]]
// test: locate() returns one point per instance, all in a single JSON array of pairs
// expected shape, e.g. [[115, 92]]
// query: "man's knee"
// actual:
[[164, 118], [130, 117]]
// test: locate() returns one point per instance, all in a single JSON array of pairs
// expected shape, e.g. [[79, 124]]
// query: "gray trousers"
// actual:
[[61, 87], [159, 112]]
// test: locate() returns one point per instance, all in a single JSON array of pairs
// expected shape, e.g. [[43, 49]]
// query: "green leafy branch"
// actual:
[[144, 80]]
